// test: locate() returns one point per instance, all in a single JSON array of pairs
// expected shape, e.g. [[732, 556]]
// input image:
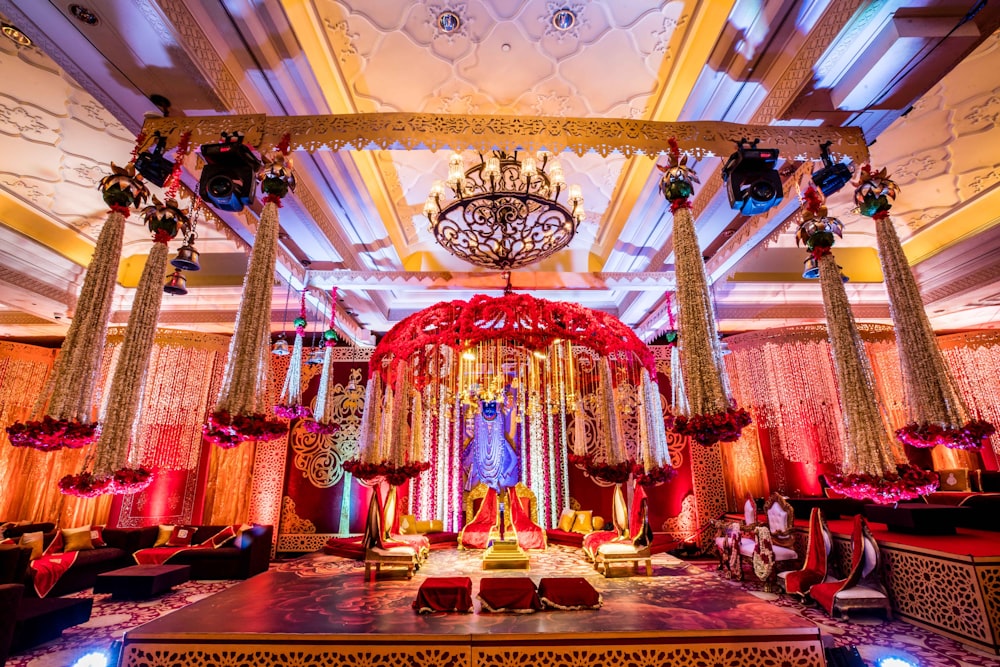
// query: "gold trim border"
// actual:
[[413, 131]]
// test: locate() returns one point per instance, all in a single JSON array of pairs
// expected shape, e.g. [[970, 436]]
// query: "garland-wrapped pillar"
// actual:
[[66, 403], [712, 417], [870, 466], [937, 414], [240, 413]]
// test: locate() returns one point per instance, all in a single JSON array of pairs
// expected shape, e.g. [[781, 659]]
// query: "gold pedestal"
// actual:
[[505, 555]]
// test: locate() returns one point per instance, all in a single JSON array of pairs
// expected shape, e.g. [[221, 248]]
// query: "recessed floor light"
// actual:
[[15, 35], [449, 21]]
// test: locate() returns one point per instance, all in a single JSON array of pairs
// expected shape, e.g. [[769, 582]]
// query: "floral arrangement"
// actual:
[[226, 430], [907, 483], [654, 476], [929, 434], [126, 481], [85, 485], [50, 434], [322, 428], [292, 411], [390, 472], [710, 429], [611, 473]]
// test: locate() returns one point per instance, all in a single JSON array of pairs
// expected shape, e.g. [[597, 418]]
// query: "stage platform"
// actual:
[[949, 584], [318, 610]]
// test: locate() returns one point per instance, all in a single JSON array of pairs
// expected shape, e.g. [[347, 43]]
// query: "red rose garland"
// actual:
[[907, 483]]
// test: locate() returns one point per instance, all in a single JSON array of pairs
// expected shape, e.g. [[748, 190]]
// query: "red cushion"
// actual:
[[509, 594], [97, 536], [222, 537], [181, 536], [444, 594], [568, 593]]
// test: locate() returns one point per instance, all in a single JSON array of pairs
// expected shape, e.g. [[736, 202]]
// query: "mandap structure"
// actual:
[[505, 389]]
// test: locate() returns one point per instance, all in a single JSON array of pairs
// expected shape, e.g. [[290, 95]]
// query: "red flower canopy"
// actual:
[[531, 322]]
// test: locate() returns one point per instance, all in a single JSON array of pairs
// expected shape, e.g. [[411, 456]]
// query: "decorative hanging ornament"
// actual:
[[712, 417], [65, 405], [325, 395], [870, 466], [112, 453], [937, 414], [290, 406], [239, 414]]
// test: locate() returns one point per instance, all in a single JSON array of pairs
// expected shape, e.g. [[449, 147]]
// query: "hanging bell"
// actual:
[[176, 284], [812, 268], [280, 347], [315, 357], [186, 259]]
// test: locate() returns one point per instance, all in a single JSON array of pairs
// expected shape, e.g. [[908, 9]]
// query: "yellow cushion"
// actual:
[[566, 520], [408, 524], [163, 535], [437, 526], [956, 479], [423, 526], [77, 539], [35, 542], [583, 522], [597, 522]]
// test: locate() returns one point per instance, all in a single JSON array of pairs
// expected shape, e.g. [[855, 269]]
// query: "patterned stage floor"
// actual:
[[306, 611]]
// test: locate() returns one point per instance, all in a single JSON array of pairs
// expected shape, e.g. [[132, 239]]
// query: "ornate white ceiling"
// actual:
[[73, 102]]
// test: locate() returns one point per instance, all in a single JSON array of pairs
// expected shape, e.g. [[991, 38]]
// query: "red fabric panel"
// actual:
[[49, 569], [477, 534], [529, 534], [509, 594], [444, 594], [824, 593], [160, 555], [568, 592], [814, 569]]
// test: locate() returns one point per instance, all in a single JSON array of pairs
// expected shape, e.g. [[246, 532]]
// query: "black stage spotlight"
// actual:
[[834, 175], [227, 181], [152, 165], [754, 184]]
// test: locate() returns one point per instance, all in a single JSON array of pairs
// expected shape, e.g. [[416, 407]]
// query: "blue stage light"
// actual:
[[894, 661], [93, 659]]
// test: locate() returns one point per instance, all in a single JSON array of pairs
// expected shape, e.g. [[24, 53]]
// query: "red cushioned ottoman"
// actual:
[[444, 594], [515, 594], [568, 593]]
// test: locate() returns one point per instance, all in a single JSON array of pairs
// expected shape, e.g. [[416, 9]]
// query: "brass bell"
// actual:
[[812, 268], [187, 258], [280, 347], [176, 284], [315, 357]]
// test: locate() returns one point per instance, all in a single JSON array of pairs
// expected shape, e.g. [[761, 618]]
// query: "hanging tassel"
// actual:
[[870, 465], [712, 417], [239, 411], [112, 452], [66, 404], [324, 396], [291, 406], [937, 413]]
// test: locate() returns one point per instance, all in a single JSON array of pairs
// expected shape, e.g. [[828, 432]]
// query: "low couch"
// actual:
[[248, 554]]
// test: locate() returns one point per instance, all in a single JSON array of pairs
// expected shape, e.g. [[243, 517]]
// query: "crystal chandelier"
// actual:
[[505, 213]]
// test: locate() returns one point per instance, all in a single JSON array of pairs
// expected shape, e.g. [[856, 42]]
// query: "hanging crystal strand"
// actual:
[[712, 417], [936, 411], [239, 415], [325, 395], [870, 466], [65, 406], [290, 404]]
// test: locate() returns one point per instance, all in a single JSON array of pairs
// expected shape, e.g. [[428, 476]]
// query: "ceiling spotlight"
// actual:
[[14, 34], [834, 175], [754, 184], [449, 21], [152, 165], [84, 14], [227, 181], [564, 19]]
